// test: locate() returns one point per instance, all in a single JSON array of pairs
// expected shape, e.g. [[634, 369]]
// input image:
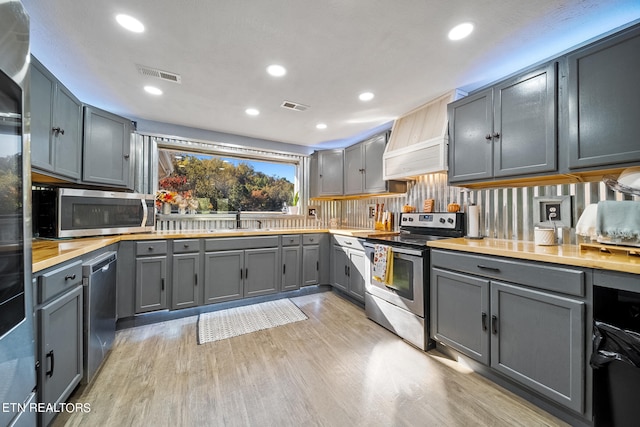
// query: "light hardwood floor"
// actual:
[[335, 369]]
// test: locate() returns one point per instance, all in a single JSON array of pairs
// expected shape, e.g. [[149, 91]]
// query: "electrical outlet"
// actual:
[[371, 211], [553, 211]]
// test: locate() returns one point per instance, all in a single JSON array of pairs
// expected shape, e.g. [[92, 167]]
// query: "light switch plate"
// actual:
[[559, 208], [313, 212]]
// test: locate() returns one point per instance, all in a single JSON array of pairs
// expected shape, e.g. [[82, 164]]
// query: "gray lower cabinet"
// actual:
[[310, 265], [240, 273], [290, 268], [223, 276], [185, 274], [604, 102], [348, 267], [59, 348], [532, 336], [56, 125], [151, 276], [106, 149], [508, 130]]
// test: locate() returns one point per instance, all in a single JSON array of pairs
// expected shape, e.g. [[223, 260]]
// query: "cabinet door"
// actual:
[[373, 150], [107, 146], [460, 313], [67, 115], [290, 268], [42, 89], [525, 124], [151, 273], [261, 272], [357, 273], [310, 264], [59, 349], [184, 284], [538, 340], [353, 170], [470, 141], [314, 175], [339, 267], [223, 276], [330, 165], [604, 102]]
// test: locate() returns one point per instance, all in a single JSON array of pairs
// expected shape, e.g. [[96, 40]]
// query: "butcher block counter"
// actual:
[[558, 254], [47, 253]]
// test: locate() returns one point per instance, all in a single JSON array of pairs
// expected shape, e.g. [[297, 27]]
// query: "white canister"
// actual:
[[544, 236]]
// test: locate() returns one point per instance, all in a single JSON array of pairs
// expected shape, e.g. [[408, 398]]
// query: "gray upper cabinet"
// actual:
[[363, 166], [326, 173], [508, 130], [604, 102], [56, 125], [106, 149]]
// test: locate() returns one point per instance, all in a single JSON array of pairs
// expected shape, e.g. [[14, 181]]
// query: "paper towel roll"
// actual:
[[473, 221]]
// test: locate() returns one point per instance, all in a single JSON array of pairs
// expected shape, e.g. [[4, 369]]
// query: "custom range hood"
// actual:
[[418, 143]]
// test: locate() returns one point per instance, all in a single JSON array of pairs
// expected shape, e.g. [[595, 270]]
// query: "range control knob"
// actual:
[[442, 220], [404, 219], [410, 219], [450, 220]]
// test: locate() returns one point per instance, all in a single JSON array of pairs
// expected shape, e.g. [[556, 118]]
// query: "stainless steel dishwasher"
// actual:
[[99, 280]]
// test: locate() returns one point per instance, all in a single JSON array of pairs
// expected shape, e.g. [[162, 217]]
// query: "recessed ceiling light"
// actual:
[[366, 96], [130, 23], [461, 31], [321, 126], [276, 70], [153, 90], [252, 111]]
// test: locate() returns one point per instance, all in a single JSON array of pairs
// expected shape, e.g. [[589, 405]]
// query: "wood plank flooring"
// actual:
[[337, 368]]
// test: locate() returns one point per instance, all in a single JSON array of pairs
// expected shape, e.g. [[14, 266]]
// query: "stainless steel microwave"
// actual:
[[70, 212]]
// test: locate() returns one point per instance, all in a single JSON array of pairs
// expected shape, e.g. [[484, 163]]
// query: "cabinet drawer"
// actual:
[[151, 247], [231, 243], [349, 242], [291, 240], [311, 239], [542, 276], [182, 246], [55, 281]]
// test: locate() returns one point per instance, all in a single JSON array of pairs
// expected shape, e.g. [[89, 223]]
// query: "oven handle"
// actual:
[[397, 249]]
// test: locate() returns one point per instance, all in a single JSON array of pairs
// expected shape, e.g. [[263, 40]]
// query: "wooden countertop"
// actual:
[[559, 254], [47, 253]]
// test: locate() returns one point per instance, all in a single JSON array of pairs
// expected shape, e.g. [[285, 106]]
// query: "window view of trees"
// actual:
[[219, 184]]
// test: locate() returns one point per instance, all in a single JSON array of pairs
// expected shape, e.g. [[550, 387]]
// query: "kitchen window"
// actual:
[[204, 183]]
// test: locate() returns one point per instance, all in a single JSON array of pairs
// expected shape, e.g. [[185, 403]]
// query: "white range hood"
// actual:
[[418, 143]]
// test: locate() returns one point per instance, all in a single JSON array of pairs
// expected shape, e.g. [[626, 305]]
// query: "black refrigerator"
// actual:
[[17, 354]]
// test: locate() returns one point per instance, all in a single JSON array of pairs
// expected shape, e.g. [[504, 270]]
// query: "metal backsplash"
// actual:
[[506, 213]]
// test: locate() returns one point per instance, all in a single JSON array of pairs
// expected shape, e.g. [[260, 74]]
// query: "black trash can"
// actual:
[[616, 361]]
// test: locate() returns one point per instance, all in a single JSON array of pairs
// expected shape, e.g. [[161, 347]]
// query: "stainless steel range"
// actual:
[[400, 302]]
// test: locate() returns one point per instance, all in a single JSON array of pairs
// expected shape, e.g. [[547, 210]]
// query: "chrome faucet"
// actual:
[[259, 224], [238, 222]]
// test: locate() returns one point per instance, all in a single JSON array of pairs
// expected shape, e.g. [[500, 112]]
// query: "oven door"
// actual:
[[406, 287]]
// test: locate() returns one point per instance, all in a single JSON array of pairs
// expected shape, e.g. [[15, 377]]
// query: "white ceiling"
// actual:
[[332, 49]]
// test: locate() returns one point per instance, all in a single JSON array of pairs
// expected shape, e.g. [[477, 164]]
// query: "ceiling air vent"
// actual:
[[294, 106], [164, 75]]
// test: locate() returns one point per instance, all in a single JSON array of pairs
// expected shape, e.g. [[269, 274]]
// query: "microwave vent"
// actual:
[[164, 75]]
